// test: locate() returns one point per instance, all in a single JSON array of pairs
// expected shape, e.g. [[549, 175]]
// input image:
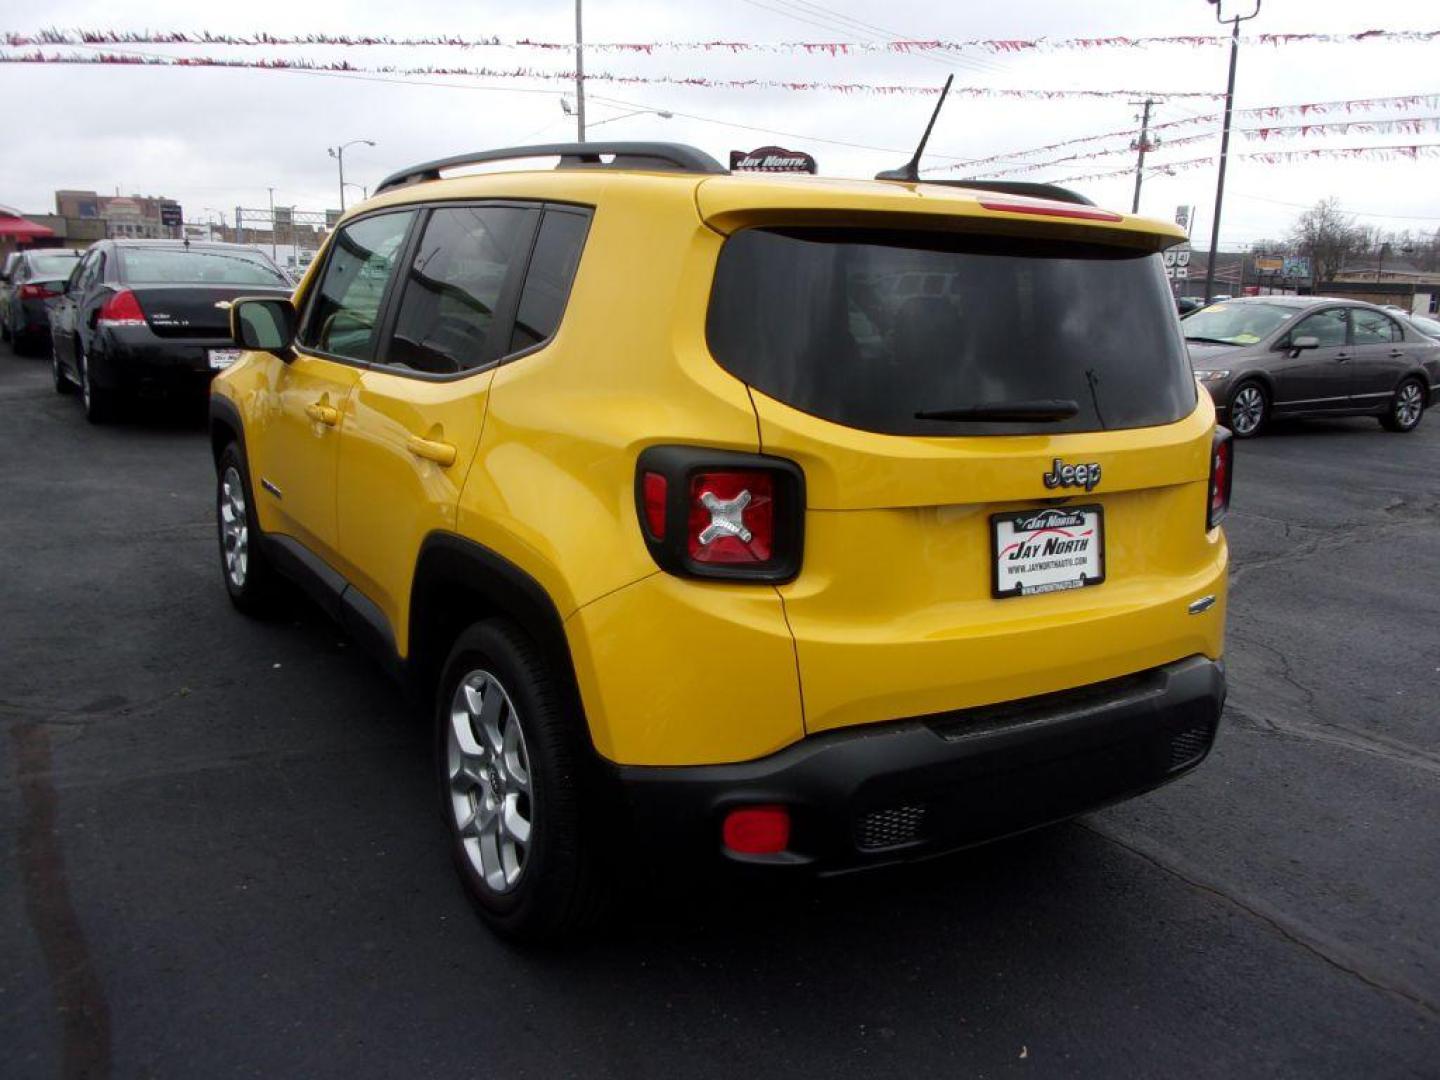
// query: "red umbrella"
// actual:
[[17, 228]]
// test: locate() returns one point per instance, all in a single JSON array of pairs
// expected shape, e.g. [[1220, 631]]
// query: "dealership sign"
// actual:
[[771, 159]]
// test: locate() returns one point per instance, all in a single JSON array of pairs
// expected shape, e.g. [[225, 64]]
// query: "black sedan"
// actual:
[[142, 317], [30, 279]]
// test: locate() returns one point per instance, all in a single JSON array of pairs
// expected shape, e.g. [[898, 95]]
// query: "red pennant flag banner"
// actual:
[[344, 66], [1265, 112], [1409, 126], [995, 46], [1411, 152]]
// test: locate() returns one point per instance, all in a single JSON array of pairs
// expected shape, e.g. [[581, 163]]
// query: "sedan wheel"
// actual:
[[489, 767], [1407, 408], [1247, 410]]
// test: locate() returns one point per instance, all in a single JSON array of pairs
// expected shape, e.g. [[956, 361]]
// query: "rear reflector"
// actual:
[[757, 830], [1222, 477], [1048, 209], [656, 489], [122, 309]]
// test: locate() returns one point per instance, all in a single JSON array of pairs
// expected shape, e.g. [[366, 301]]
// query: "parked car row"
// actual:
[[133, 318], [1305, 356]]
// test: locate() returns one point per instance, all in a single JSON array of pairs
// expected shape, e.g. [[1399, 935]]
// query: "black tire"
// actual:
[[564, 878], [101, 405], [1248, 396], [253, 590], [1407, 407], [62, 383]]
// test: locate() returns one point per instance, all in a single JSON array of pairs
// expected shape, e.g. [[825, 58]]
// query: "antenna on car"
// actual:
[[910, 171]]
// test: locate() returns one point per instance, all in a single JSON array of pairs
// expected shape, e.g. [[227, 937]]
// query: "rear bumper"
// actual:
[[135, 360], [888, 792]]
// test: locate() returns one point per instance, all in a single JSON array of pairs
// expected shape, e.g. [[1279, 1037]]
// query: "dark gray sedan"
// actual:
[[1273, 356]]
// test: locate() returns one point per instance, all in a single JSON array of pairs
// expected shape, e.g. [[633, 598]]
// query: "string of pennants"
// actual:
[[39, 56], [994, 46], [1415, 125], [1412, 152], [1267, 112]]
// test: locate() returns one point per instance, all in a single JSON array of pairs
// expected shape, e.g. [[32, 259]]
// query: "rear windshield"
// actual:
[[1237, 324], [867, 328], [58, 265], [197, 266]]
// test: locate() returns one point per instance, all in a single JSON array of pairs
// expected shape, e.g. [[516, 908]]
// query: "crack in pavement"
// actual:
[[1333, 953]]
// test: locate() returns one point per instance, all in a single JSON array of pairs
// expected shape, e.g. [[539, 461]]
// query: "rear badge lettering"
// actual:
[[1062, 475]]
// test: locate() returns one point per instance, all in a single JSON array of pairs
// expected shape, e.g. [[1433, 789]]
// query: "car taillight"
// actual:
[[36, 292], [122, 309], [721, 514], [1222, 476]]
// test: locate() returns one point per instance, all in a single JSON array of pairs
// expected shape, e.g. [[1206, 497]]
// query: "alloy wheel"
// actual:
[[1409, 404], [234, 527], [490, 788], [1247, 410]]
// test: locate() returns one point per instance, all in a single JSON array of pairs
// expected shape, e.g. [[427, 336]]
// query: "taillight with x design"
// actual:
[[721, 514]]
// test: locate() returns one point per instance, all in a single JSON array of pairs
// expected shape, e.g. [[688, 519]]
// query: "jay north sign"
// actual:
[[771, 159]]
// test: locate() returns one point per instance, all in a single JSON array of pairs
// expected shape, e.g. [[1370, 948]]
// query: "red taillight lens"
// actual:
[[656, 490], [36, 292], [122, 309], [721, 514], [757, 830], [1222, 476], [732, 517]]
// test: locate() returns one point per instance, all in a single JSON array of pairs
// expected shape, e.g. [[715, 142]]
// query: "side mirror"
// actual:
[[267, 324], [1305, 341]]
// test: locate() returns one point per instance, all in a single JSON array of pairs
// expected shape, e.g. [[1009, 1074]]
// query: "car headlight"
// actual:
[[1213, 374]]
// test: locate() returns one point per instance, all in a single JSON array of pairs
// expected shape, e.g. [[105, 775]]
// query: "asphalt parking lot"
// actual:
[[219, 852]]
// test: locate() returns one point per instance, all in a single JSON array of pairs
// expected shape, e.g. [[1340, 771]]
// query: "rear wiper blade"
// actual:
[[1209, 340], [1040, 411]]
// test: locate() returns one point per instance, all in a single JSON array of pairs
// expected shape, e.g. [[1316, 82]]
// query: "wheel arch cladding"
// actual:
[[458, 583], [225, 427]]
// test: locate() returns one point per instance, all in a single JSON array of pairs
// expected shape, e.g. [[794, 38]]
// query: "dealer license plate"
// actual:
[[222, 358], [1047, 550]]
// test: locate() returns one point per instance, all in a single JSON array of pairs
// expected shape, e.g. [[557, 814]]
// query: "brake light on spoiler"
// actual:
[[1050, 209], [721, 514]]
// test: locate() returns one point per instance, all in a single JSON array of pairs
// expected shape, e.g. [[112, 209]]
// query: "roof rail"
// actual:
[[1019, 187], [670, 157]]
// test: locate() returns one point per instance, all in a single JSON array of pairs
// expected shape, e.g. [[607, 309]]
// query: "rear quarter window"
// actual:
[[866, 328]]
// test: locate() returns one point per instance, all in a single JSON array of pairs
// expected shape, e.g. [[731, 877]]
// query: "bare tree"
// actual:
[[1328, 236]]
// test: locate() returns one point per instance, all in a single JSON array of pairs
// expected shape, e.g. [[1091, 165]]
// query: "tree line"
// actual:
[[1330, 238]]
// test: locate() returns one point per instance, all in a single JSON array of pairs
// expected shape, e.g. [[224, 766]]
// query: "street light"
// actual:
[[338, 153], [662, 113], [1224, 135]]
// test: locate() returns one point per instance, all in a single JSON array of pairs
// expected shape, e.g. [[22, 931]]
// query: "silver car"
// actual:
[[1278, 356]]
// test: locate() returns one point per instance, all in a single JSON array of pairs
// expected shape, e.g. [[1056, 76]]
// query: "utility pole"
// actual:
[[273, 255], [1141, 146], [579, 74], [1224, 135]]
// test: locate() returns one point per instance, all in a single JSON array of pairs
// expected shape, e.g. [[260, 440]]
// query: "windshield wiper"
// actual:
[[1209, 340], [1044, 410]]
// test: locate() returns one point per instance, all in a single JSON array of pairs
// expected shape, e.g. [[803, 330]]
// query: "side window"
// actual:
[[1327, 325], [547, 281], [344, 314], [1373, 328], [451, 316]]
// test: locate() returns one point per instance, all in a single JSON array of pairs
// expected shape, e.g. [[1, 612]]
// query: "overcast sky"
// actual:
[[216, 139]]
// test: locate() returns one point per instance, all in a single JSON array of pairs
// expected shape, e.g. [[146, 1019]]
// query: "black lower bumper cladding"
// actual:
[[910, 788]]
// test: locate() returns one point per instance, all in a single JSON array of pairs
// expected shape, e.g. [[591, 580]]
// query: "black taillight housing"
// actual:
[[1222, 477], [721, 514]]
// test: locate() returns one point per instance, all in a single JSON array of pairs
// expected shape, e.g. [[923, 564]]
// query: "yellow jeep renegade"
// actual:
[[797, 522]]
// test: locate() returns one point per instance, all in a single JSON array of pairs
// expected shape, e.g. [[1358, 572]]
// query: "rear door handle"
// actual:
[[1397, 352], [323, 414], [1340, 358], [442, 453]]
